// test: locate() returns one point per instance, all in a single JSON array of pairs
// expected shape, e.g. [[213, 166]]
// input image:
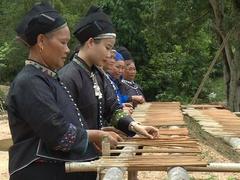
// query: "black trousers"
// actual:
[[50, 171]]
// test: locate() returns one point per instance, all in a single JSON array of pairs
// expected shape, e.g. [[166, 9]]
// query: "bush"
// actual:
[[2, 100]]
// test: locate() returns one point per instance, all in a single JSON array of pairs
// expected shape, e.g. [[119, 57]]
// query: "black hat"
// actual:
[[41, 19], [125, 53], [95, 24]]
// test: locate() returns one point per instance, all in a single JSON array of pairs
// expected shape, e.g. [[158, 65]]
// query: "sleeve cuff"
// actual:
[[121, 121], [123, 125], [68, 139], [74, 139]]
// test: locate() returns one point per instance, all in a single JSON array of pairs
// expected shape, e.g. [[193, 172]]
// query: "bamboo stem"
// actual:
[[158, 151]]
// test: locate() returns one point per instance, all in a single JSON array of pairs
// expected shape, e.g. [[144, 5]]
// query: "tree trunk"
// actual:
[[230, 59], [234, 91]]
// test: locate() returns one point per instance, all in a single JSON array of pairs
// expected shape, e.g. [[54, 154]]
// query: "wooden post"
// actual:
[[106, 146]]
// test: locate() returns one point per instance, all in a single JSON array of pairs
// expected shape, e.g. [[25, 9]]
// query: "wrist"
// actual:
[[133, 98], [132, 126], [94, 134]]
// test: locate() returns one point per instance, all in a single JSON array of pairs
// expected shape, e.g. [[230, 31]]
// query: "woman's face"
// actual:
[[118, 69], [55, 48], [130, 72], [102, 50], [109, 63]]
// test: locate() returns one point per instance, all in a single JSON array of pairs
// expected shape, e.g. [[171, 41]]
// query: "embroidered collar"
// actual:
[[82, 63], [91, 74], [114, 86], [44, 69], [96, 87], [109, 78], [131, 84]]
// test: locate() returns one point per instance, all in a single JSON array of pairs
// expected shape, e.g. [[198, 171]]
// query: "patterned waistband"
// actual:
[[40, 161]]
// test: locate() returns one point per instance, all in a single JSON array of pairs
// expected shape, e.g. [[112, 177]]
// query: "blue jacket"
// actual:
[[117, 83]]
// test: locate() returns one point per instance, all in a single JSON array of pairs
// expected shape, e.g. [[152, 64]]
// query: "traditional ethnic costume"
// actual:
[[46, 125], [89, 85]]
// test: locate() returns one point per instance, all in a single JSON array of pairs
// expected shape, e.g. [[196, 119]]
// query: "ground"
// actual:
[[4, 134]]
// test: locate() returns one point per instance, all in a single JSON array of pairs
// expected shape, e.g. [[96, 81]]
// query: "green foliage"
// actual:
[[217, 87], [212, 177], [127, 19], [2, 100], [5, 50], [12, 53], [171, 41], [180, 50], [231, 178], [2, 95]]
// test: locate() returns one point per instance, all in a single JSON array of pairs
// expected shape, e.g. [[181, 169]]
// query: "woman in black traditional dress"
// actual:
[[88, 83], [46, 125]]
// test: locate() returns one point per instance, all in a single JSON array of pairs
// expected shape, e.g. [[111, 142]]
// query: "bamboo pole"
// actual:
[[212, 167], [166, 150]]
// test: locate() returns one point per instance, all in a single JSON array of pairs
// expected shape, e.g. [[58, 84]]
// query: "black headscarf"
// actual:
[[41, 19], [125, 53], [95, 24]]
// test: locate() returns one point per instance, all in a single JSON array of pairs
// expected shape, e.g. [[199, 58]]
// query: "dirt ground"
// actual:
[[208, 153], [4, 134]]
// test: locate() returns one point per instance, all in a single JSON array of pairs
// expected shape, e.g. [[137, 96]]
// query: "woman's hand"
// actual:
[[111, 128], [96, 136], [128, 108], [147, 131], [138, 99]]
